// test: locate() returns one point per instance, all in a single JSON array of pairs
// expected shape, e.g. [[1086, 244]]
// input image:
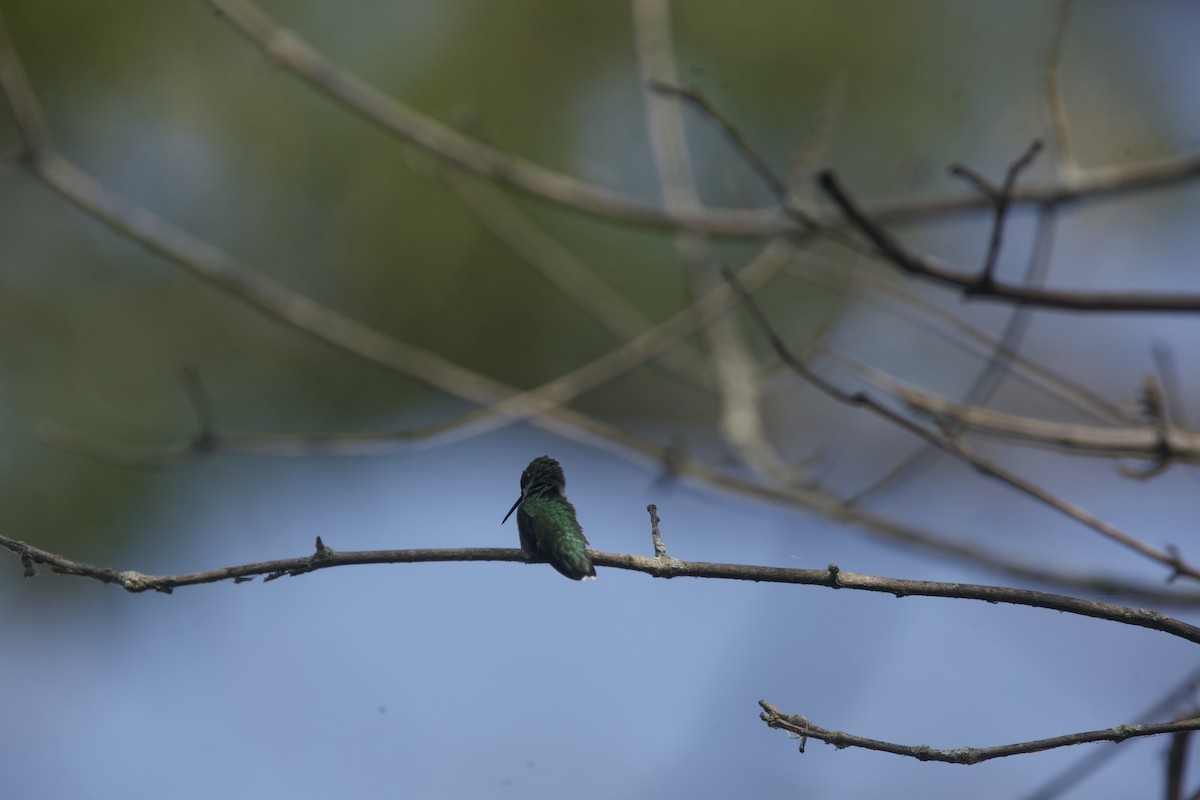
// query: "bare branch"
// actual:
[[976, 287], [1169, 557], [660, 549], [291, 52], [799, 726], [831, 577], [1156, 442]]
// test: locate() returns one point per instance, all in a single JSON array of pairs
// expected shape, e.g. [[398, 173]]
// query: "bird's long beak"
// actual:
[[514, 508]]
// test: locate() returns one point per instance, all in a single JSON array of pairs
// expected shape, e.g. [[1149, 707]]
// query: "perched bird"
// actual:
[[546, 520]]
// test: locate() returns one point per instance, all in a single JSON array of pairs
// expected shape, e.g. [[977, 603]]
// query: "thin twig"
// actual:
[[783, 195], [1001, 198], [660, 549], [966, 755]]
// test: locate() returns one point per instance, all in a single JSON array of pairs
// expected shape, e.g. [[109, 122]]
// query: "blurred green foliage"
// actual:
[[168, 105]]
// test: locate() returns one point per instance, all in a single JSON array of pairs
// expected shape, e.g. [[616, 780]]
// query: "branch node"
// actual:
[[1123, 732], [1001, 199], [966, 755], [922, 752], [27, 565], [834, 572], [135, 582]]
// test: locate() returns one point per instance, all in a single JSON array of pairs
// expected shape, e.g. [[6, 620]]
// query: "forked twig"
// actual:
[[976, 288]]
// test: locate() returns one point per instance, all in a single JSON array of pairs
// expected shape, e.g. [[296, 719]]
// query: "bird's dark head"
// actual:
[[542, 478], [543, 473]]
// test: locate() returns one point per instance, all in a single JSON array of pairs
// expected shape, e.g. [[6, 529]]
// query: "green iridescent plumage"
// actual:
[[546, 520]]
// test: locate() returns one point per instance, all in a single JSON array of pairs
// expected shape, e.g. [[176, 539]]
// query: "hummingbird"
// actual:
[[546, 520]]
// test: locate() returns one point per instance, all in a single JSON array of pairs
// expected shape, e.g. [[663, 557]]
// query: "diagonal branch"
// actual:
[[1169, 557], [783, 195], [517, 407], [291, 52]]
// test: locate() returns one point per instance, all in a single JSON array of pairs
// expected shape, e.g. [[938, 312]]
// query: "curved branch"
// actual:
[[801, 727], [659, 567], [292, 53]]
